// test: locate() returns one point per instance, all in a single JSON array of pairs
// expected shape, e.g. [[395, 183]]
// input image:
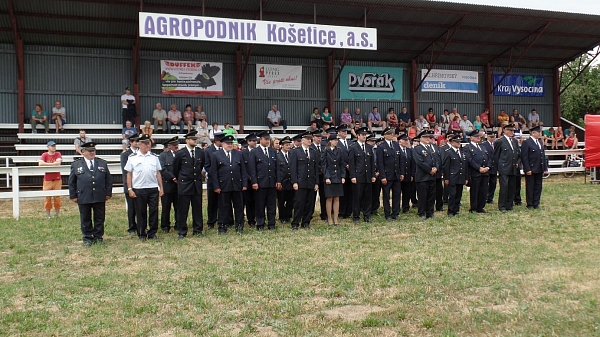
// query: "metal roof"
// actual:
[[407, 29]]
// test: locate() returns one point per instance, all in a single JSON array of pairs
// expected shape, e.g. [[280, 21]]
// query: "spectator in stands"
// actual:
[[228, 130], [52, 180], [128, 107], [421, 122], [548, 135], [316, 116], [59, 116], [274, 119], [203, 133], [391, 118], [404, 115], [558, 136], [357, 125], [174, 118], [213, 130], [346, 118], [466, 126], [454, 126], [453, 114], [128, 130], [571, 141], [200, 115], [313, 126], [375, 120], [357, 117], [441, 139], [436, 131], [503, 118], [188, 118], [477, 124], [79, 141], [413, 131], [159, 116], [445, 120], [326, 126], [568, 131], [485, 119], [430, 118], [401, 128], [533, 119], [39, 116], [326, 116], [518, 117], [147, 130]]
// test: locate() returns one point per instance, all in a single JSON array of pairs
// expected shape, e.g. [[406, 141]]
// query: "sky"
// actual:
[[573, 6]]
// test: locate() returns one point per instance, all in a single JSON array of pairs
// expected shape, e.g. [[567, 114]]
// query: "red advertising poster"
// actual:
[[592, 141], [191, 78]]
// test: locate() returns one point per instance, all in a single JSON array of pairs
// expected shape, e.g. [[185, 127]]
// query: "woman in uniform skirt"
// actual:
[[334, 171]]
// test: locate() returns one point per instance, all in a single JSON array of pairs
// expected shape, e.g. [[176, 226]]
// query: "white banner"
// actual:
[[274, 76], [450, 81], [202, 28], [191, 78]]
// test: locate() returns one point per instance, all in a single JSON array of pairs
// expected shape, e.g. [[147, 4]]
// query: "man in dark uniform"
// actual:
[[317, 145], [456, 174], [304, 167], [187, 167], [533, 157], [518, 199], [407, 183], [90, 186], [285, 195], [263, 177], [506, 157], [376, 186], [425, 176], [133, 148], [345, 201], [478, 161], [229, 181], [488, 147], [169, 198], [413, 198], [443, 149], [390, 173], [249, 194], [212, 197], [362, 175], [439, 181]]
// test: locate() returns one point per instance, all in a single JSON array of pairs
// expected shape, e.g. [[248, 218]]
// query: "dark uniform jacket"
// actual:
[[505, 157], [438, 155], [319, 150], [207, 162], [304, 170], [476, 159], [533, 157], [408, 164], [124, 158], [284, 174], [333, 165], [263, 169], [362, 165], [228, 176], [166, 162], [188, 171], [424, 162], [455, 167], [246, 160], [90, 187], [489, 150], [389, 161]]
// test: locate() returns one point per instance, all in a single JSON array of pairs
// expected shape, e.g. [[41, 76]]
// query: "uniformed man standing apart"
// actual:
[[187, 168], [133, 149], [304, 167], [362, 175], [488, 147], [263, 175], [169, 198], [425, 175], [212, 197], [456, 174], [407, 183], [229, 176], [479, 168], [390, 173], [506, 157], [90, 186], [249, 194], [533, 157], [285, 195], [145, 181]]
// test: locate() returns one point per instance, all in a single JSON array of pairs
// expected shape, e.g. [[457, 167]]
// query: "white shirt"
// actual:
[[143, 169], [509, 142], [125, 98], [89, 162]]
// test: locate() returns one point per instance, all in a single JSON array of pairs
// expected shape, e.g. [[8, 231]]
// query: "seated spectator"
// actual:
[[346, 118], [453, 114], [203, 132], [357, 117], [316, 116], [213, 130], [518, 117], [454, 126], [558, 136], [391, 118], [518, 129], [413, 131], [485, 119], [188, 118], [147, 130], [442, 140], [374, 119], [404, 115], [503, 118], [128, 130], [174, 118], [80, 140], [326, 126], [228, 130], [421, 122], [571, 141], [39, 116], [274, 119], [430, 118], [200, 115], [477, 124], [445, 120], [313, 126], [357, 125], [533, 119], [466, 126], [548, 135], [159, 116], [401, 128], [326, 116], [59, 116], [436, 131]]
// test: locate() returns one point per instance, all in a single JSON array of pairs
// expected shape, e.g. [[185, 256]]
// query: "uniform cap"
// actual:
[[510, 127], [144, 139], [536, 128], [264, 134], [133, 137], [362, 131], [474, 133], [342, 128], [174, 140], [191, 135], [297, 137], [251, 137], [217, 136], [332, 136], [227, 139], [285, 140], [89, 146], [389, 131]]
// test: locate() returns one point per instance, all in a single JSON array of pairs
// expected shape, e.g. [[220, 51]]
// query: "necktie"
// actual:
[[363, 148], [192, 153], [286, 157], [92, 165], [492, 144], [404, 151], [307, 156], [431, 148], [539, 144], [478, 147], [266, 153], [344, 142], [229, 156]]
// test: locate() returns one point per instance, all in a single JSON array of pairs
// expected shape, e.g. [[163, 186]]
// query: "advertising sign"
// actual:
[[191, 78], [202, 28], [274, 76], [519, 85], [357, 82], [450, 81]]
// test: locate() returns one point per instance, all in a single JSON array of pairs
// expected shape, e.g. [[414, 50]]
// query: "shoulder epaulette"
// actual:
[[132, 155], [77, 159], [447, 149]]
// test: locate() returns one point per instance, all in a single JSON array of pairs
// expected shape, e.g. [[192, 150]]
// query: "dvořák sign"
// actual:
[[371, 83], [520, 85], [201, 28]]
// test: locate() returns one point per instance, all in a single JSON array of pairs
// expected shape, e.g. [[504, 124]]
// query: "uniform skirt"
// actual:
[[334, 190]]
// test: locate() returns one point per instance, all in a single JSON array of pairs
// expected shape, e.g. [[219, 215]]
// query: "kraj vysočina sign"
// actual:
[[520, 85]]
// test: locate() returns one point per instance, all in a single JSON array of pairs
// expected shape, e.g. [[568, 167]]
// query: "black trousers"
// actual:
[[131, 214], [478, 193], [182, 214], [413, 194], [322, 201], [533, 189], [168, 201], [395, 188], [445, 196], [492, 182], [213, 206], [439, 194], [507, 191], [346, 200], [375, 196], [231, 202], [285, 204], [426, 195], [518, 179], [407, 188], [249, 203], [361, 199], [146, 208], [454, 196], [92, 232], [302, 211], [266, 198]]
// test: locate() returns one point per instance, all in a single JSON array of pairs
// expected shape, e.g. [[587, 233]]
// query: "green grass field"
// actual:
[[524, 273]]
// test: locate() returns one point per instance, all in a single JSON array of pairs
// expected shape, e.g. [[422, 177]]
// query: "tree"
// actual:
[[582, 95]]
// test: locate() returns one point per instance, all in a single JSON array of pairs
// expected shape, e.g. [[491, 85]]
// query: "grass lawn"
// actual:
[[523, 273]]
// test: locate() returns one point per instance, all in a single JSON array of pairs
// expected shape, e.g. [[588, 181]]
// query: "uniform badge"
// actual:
[[101, 169], [424, 153], [80, 169]]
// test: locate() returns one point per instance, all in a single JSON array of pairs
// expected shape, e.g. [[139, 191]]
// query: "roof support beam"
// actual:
[[136, 68], [580, 71], [18, 43], [239, 92]]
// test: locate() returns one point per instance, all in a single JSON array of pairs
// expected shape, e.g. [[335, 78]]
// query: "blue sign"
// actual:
[[371, 83], [519, 85]]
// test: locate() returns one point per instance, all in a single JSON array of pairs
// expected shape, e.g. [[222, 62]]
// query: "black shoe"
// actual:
[[422, 217], [260, 227], [324, 218], [472, 211], [336, 224], [367, 219], [294, 228], [482, 211], [405, 212], [490, 201], [450, 215], [503, 210], [356, 220], [271, 227], [180, 237], [388, 218], [430, 216], [165, 230], [211, 226], [239, 229], [394, 217], [87, 243], [518, 204], [142, 238], [530, 207], [132, 232], [153, 237]]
